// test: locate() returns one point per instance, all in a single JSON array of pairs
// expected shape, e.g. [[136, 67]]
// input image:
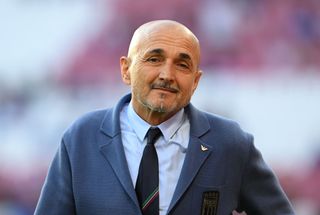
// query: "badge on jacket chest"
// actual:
[[210, 200]]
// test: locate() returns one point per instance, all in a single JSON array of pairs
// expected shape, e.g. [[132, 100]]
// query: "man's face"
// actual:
[[163, 72]]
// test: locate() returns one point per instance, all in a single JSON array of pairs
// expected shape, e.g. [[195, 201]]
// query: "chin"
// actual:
[[161, 108]]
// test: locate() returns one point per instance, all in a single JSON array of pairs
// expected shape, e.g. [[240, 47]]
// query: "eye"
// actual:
[[183, 65], [153, 59]]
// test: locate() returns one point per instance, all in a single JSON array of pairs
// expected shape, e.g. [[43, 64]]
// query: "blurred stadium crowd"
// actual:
[[240, 39], [240, 36]]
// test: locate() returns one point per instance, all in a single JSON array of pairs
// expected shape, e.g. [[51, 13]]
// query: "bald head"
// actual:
[[174, 31]]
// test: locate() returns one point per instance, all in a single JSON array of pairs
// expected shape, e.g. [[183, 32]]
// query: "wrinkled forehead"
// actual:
[[166, 32]]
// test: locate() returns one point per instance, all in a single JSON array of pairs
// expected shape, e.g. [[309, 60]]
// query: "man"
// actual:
[[205, 164]]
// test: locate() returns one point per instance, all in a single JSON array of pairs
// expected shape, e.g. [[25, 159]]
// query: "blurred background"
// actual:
[[60, 59]]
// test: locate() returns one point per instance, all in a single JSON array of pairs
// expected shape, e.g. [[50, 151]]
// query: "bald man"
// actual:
[[201, 163]]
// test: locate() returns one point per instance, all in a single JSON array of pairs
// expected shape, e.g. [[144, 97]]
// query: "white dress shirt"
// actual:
[[171, 148]]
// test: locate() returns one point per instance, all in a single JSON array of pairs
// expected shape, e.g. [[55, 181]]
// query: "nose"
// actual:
[[166, 72]]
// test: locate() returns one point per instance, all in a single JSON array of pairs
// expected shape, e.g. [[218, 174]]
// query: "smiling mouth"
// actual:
[[171, 90], [164, 86]]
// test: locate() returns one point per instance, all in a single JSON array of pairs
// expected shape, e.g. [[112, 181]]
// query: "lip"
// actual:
[[171, 90]]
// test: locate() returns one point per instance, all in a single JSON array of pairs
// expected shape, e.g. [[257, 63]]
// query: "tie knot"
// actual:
[[153, 134]]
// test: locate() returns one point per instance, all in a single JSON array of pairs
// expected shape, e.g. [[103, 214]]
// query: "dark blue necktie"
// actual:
[[147, 187]]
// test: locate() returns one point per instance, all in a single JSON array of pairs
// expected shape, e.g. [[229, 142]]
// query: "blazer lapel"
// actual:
[[114, 154], [112, 149], [196, 155]]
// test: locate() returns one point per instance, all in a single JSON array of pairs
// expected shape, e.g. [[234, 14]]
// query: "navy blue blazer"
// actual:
[[222, 171]]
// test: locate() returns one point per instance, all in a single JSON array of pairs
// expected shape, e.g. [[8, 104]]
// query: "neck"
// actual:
[[151, 116], [155, 118]]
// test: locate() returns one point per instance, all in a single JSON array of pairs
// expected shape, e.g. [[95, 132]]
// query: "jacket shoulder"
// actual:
[[86, 124], [225, 125], [228, 132]]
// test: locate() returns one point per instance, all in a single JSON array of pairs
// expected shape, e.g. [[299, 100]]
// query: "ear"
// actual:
[[125, 73], [196, 80]]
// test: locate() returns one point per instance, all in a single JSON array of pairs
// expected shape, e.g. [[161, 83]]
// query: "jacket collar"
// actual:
[[199, 123], [111, 122]]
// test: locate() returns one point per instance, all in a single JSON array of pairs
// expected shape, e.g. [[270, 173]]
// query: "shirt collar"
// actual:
[[168, 127]]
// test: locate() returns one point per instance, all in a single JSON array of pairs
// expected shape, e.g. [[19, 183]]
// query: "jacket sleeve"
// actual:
[[57, 196], [261, 192]]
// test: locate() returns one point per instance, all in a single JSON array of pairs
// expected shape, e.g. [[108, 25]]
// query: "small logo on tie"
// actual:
[[203, 148]]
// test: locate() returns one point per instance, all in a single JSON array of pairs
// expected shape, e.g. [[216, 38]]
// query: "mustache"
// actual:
[[164, 85]]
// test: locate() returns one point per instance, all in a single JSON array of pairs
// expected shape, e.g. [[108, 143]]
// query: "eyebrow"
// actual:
[[185, 56], [159, 51], [156, 51]]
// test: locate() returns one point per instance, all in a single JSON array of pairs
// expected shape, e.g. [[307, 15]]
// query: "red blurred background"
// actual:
[[59, 59]]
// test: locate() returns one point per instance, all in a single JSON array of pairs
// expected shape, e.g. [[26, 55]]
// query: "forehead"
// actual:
[[171, 41]]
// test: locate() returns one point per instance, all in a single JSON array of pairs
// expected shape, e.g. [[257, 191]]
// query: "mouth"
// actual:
[[166, 89]]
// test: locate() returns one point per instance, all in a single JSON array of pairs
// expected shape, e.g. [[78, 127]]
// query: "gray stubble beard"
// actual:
[[160, 109]]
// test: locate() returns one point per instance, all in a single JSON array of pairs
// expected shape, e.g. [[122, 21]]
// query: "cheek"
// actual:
[[140, 73], [139, 84], [187, 87]]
